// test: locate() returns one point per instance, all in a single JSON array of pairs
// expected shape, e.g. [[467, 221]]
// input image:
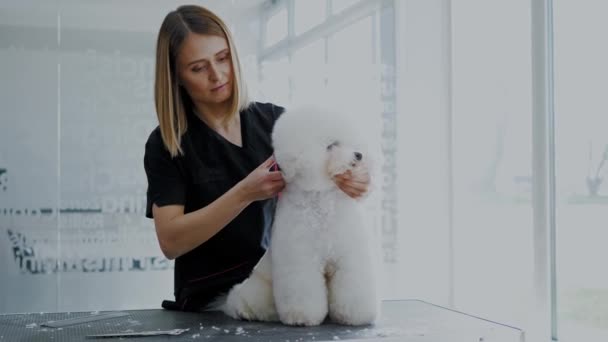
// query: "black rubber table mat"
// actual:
[[407, 320]]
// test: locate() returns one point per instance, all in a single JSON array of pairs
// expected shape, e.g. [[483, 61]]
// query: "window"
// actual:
[[275, 82], [352, 46], [308, 14], [463, 130], [338, 6], [581, 134], [276, 27], [492, 162], [310, 72], [352, 71]]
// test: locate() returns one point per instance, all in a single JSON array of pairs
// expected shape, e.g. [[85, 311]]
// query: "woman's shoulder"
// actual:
[[155, 144], [155, 139], [266, 110]]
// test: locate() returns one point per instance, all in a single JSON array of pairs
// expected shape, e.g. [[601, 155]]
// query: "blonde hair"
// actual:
[[170, 99]]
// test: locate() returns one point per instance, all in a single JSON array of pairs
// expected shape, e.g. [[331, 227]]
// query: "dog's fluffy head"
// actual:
[[313, 144]]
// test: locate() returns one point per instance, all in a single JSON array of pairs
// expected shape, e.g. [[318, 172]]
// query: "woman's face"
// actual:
[[204, 68]]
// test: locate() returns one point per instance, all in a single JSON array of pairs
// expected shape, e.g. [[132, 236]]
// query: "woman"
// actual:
[[211, 188]]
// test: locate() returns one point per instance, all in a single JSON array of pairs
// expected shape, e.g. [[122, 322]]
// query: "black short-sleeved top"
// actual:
[[209, 166]]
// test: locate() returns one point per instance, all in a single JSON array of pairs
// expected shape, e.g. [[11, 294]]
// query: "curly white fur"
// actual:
[[321, 260]]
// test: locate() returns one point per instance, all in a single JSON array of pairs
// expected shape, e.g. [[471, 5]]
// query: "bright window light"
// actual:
[[308, 14], [338, 6], [492, 161], [310, 72], [581, 134], [275, 81], [276, 27], [352, 45]]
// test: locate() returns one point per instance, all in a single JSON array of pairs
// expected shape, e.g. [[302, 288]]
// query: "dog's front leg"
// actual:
[[353, 296], [299, 287]]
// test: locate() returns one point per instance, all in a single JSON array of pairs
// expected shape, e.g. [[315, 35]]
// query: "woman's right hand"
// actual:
[[262, 183]]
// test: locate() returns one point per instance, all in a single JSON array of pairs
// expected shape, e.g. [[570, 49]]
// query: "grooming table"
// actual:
[[403, 321]]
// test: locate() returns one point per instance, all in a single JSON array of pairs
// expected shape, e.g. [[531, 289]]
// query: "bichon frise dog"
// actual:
[[321, 260]]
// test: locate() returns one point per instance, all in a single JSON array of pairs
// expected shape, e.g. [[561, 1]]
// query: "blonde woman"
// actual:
[[212, 187]]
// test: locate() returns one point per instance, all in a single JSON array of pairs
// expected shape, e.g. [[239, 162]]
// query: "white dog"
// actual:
[[321, 259]]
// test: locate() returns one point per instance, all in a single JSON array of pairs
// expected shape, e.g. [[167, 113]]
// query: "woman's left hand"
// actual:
[[354, 184]]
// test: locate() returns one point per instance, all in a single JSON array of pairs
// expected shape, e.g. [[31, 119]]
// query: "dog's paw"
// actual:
[[242, 305], [236, 307], [298, 318]]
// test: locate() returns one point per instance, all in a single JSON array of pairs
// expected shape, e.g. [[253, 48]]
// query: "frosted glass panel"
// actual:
[[29, 166], [107, 114], [77, 108]]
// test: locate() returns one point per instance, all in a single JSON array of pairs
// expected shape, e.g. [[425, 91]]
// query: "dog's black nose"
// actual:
[[358, 156]]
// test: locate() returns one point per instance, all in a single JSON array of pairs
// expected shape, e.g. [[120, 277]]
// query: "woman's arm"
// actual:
[[179, 233]]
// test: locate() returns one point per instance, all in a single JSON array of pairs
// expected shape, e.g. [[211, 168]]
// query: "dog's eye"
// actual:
[[332, 145]]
